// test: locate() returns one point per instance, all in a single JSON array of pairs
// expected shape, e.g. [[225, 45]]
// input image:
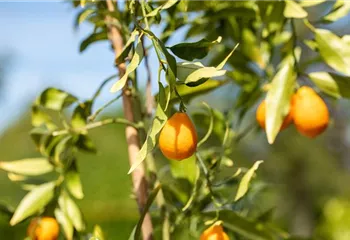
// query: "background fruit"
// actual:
[[178, 138], [214, 232], [45, 228], [310, 113], [261, 116]]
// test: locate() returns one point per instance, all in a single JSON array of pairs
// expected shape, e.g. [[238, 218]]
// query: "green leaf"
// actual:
[[340, 9], [171, 70], [166, 5], [33, 202], [37, 135], [203, 74], [188, 92], [333, 50], [65, 223], [56, 99], [92, 38], [222, 64], [62, 149], [244, 184], [184, 169], [194, 50], [134, 63], [70, 208], [311, 44], [40, 118], [83, 142], [80, 115], [278, 98], [82, 16], [294, 10], [28, 167], [249, 229], [152, 196], [158, 122], [73, 182], [332, 84], [126, 49], [98, 233], [310, 3]]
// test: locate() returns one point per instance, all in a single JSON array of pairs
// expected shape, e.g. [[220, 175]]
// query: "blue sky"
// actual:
[[43, 45]]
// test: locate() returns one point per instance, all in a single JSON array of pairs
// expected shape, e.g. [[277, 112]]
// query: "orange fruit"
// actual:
[[310, 112], [261, 116], [45, 228], [178, 138], [214, 232]]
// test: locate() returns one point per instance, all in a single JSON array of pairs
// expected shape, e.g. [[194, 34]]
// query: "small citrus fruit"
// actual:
[[45, 228], [178, 138], [214, 232], [310, 113], [261, 116]]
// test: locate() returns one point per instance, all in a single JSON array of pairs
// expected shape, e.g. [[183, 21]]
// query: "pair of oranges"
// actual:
[[44, 228], [308, 111]]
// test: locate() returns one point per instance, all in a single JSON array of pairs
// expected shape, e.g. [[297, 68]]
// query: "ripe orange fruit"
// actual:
[[261, 116], [310, 113], [214, 232], [45, 228], [178, 138]]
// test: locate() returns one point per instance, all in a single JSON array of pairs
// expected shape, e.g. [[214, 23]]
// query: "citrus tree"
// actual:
[[185, 180]]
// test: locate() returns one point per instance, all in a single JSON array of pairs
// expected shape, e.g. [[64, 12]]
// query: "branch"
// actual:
[[132, 136]]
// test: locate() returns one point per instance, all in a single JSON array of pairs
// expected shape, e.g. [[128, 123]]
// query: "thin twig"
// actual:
[[92, 117], [209, 183], [98, 124], [132, 136]]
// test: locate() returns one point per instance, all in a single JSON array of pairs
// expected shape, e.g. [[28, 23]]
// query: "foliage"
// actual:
[[251, 44]]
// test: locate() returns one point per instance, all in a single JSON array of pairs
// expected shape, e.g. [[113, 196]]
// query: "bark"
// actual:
[[132, 136]]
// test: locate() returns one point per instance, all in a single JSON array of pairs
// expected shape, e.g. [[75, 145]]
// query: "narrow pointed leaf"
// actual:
[[65, 223], [204, 73], [28, 167], [294, 10], [310, 3], [56, 99], [33, 202], [134, 63], [72, 210], [334, 51], [244, 184], [278, 98], [73, 181], [158, 122], [332, 84], [127, 47], [222, 64], [98, 233], [166, 5], [94, 37], [340, 9], [194, 50]]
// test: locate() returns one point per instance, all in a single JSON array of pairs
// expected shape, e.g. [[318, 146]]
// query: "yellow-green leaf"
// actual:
[[33, 202], [134, 63], [334, 51], [28, 167], [278, 98], [244, 184], [294, 10]]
